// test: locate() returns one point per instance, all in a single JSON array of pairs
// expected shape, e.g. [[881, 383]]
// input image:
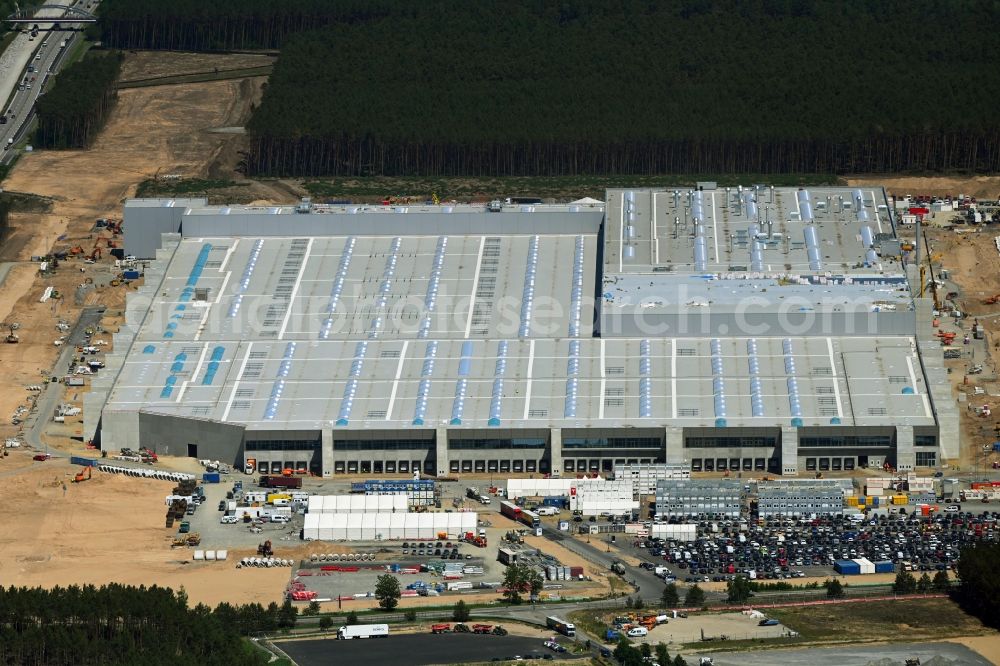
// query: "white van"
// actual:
[[636, 632]]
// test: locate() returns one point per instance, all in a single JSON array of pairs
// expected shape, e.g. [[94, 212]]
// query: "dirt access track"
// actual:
[[155, 130]]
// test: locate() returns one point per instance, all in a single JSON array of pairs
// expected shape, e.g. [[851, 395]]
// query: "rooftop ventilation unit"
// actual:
[[338, 286], [718, 381], [351, 388], [424, 388], [498, 374], [645, 381], [572, 381], [576, 294], [433, 284], [528, 293], [464, 365]]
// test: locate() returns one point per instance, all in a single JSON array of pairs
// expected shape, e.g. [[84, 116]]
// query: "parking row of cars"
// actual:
[[782, 548]]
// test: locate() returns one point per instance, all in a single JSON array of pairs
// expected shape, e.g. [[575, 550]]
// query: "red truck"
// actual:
[[281, 481], [440, 628]]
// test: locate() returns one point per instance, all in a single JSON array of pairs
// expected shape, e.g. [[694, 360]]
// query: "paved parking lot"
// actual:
[[215, 535], [943, 654], [778, 549], [414, 650]]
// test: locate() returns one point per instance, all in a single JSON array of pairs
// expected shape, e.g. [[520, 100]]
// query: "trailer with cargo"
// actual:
[[281, 482], [510, 510], [562, 626], [351, 631]]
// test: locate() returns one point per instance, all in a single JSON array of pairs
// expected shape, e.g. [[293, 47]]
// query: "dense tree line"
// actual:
[[116, 624], [196, 25], [77, 106], [979, 588], [513, 87]]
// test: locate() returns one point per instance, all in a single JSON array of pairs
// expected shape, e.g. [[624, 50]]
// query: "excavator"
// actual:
[[83, 475]]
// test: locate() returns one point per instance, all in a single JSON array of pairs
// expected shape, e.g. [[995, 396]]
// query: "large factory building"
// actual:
[[740, 329]]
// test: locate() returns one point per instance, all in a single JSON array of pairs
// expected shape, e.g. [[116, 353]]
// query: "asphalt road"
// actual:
[[412, 650], [649, 586], [948, 654], [19, 112], [46, 403]]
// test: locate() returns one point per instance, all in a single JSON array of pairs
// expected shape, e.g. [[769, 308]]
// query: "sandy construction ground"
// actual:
[[988, 646], [110, 529], [149, 64], [152, 130], [974, 186]]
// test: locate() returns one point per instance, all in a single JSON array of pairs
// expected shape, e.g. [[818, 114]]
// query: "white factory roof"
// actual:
[[816, 248], [395, 331]]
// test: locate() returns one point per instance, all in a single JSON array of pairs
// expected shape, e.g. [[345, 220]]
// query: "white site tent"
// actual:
[[357, 503], [386, 526]]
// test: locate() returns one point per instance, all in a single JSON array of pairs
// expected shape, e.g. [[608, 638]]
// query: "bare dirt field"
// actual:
[[988, 646], [149, 64], [974, 186], [152, 130], [110, 529], [970, 256]]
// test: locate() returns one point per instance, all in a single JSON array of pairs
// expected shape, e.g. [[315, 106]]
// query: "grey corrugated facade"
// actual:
[[145, 219]]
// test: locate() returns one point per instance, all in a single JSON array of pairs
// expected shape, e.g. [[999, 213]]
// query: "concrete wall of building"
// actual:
[[170, 435], [258, 225], [145, 219], [120, 429]]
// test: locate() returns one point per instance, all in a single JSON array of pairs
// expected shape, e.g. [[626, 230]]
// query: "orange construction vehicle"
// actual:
[[992, 300], [440, 628], [946, 337], [83, 475], [76, 250]]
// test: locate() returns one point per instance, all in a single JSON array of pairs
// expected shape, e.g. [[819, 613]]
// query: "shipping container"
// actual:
[[130, 275], [87, 462], [281, 481], [211, 477], [846, 567], [884, 566]]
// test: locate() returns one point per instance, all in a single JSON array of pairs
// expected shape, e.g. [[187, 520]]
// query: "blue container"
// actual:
[[996, 446], [211, 477], [87, 462], [131, 275], [847, 567], [885, 566]]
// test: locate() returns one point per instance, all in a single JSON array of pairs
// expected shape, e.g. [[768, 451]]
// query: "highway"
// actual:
[[41, 54]]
